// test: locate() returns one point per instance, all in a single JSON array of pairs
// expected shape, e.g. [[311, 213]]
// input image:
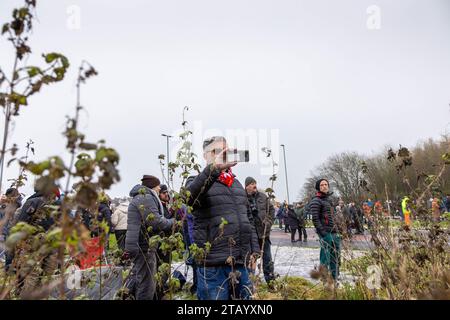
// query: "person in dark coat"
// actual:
[[301, 216], [357, 218], [164, 196], [292, 221], [35, 212], [162, 257], [223, 226], [31, 212], [92, 219], [447, 203], [105, 213], [145, 219], [263, 215], [285, 214], [323, 219]]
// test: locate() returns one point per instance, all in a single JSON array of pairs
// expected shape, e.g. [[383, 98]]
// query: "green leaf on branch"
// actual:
[[446, 158], [5, 28], [50, 57], [87, 146], [38, 168], [33, 71]]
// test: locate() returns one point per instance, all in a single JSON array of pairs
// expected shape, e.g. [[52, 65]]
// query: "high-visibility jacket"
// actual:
[[406, 212]]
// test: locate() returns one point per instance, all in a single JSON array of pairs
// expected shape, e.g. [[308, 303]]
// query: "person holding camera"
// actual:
[[223, 227]]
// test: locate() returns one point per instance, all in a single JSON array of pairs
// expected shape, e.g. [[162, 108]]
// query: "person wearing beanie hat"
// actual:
[[263, 215], [318, 182], [322, 213], [164, 188], [145, 219], [249, 180], [150, 181]]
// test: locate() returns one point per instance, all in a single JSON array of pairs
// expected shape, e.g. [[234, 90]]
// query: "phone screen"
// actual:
[[238, 156]]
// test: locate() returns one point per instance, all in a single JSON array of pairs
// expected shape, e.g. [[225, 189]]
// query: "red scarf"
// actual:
[[320, 194], [226, 177]]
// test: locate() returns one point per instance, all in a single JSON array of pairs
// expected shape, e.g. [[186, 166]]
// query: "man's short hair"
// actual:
[[211, 140]]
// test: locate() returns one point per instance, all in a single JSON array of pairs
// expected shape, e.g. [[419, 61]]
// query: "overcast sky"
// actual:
[[320, 77]]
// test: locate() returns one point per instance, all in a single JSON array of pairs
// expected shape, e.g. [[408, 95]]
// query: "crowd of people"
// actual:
[[230, 221]]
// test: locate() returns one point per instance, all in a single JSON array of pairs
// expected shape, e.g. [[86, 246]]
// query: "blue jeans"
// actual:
[[213, 283]]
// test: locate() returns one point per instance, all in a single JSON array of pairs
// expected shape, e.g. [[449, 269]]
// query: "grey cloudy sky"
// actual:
[[310, 71]]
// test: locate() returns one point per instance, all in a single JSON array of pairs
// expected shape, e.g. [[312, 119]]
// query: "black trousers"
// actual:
[[120, 237], [143, 285], [293, 232], [302, 230], [287, 228]]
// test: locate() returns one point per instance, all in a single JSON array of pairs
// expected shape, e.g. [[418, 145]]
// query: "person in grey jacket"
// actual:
[[263, 215], [145, 219]]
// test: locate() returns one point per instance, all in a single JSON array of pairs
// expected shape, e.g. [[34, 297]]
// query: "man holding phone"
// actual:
[[222, 218]]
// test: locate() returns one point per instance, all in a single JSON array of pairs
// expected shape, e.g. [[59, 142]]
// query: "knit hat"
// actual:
[[163, 188], [150, 181], [318, 183], [249, 180]]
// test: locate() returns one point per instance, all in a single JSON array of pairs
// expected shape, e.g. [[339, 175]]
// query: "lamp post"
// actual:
[[167, 157], [285, 171]]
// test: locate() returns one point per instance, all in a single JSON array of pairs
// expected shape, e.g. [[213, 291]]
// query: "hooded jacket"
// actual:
[[120, 216], [145, 219], [31, 212]]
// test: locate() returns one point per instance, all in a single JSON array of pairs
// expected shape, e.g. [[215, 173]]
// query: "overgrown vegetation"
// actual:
[[403, 262]]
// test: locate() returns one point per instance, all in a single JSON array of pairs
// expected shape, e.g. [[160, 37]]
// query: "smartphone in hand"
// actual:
[[234, 155]]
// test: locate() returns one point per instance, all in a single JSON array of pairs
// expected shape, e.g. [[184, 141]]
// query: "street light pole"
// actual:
[[285, 171], [167, 157]]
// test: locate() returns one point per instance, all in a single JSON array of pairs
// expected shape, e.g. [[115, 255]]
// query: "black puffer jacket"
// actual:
[[322, 213], [292, 219], [263, 213], [104, 213], [301, 215], [211, 201], [144, 203], [31, 212]]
